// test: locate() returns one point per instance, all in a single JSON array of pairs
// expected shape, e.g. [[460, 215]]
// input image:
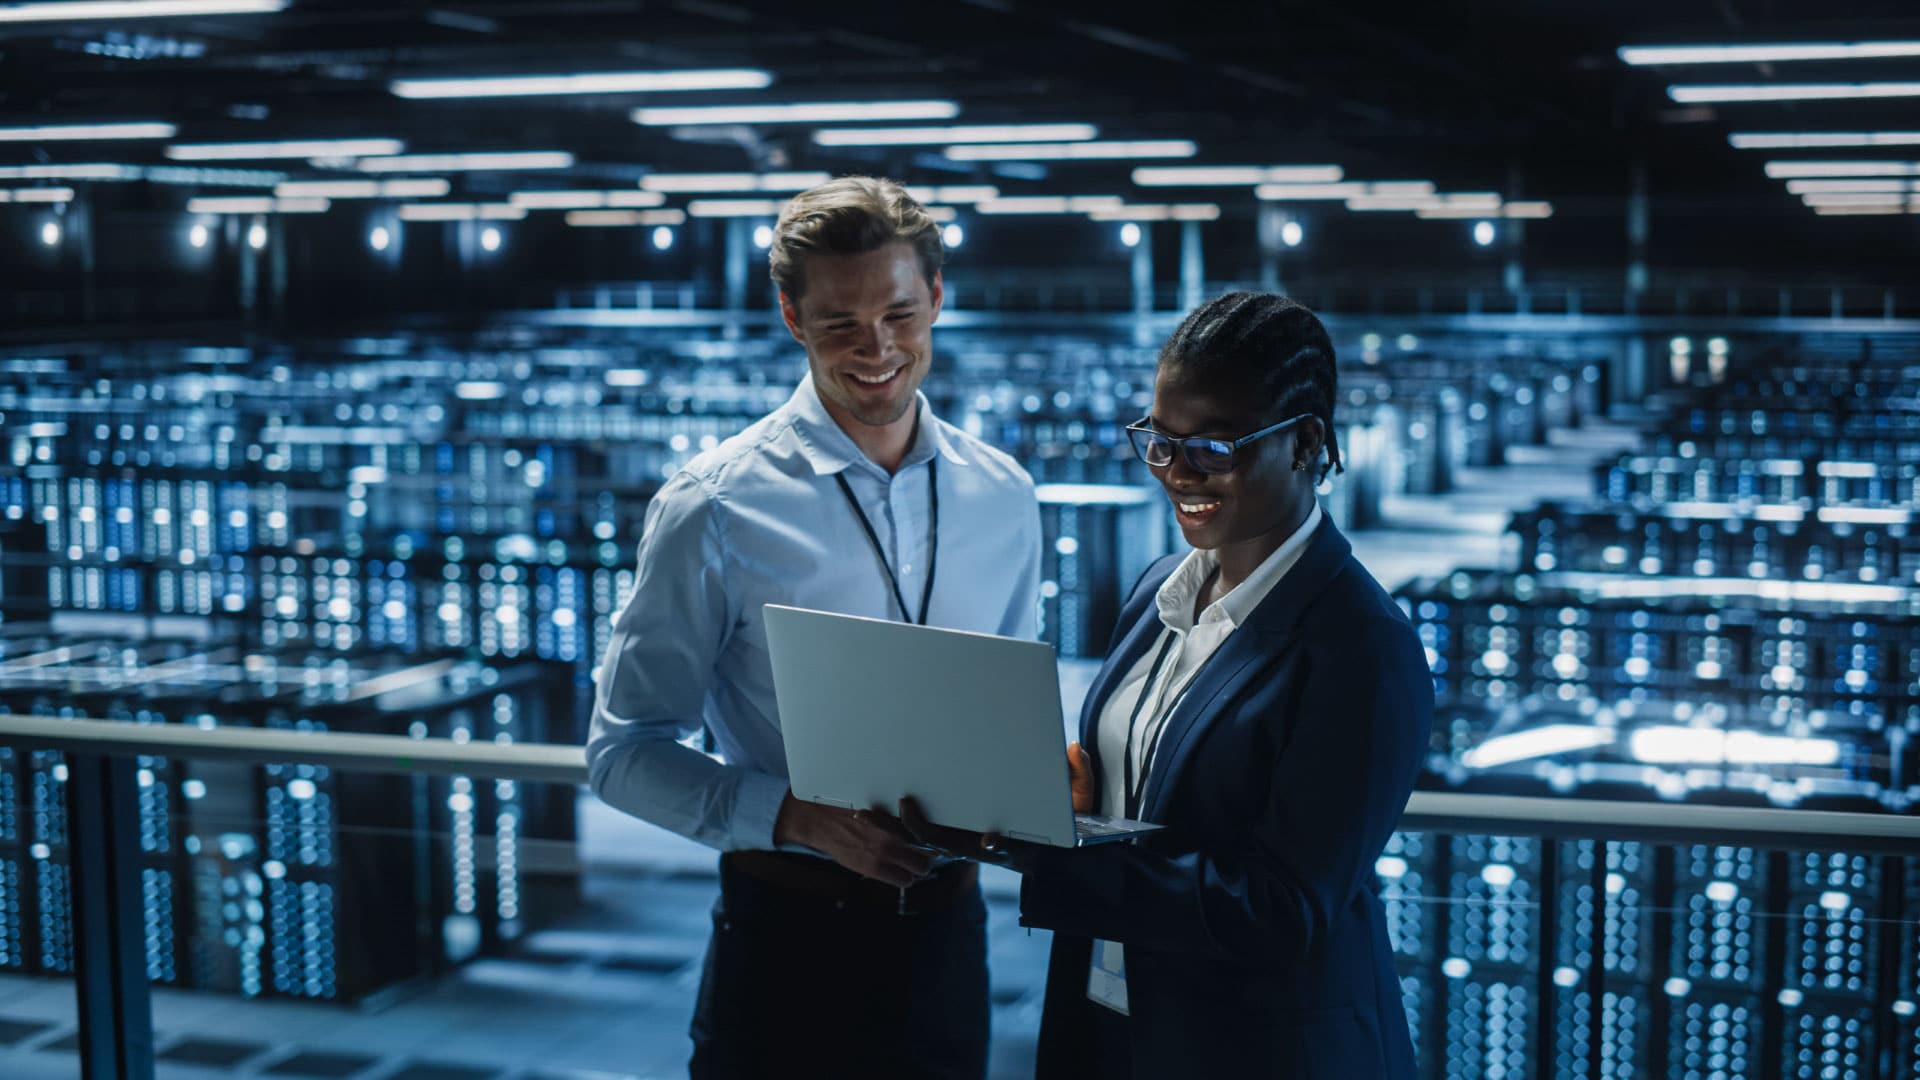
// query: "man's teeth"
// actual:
[[874, 380], [1197, 508]]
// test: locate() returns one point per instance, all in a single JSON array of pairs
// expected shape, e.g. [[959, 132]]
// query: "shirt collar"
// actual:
[[829, 449], [1176, 596]]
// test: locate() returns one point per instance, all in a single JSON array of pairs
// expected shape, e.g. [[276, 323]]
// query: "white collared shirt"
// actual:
[[761, 519], [1194, 643]]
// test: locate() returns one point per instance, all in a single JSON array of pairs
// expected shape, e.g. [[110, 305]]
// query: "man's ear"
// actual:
[[938, 287], [790, 314]]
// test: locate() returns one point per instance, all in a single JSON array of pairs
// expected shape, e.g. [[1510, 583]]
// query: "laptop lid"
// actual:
[[969, 724]]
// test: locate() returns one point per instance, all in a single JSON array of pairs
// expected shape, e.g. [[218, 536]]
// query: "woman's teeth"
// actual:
[[874, 380], [1197, 508]]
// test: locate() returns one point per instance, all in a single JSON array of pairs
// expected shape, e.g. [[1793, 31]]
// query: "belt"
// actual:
[[823, 879]]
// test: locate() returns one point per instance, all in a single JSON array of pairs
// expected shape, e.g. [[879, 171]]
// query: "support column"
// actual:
[[277, 263], [78, 228], [1143, 272], [1272, 221], [738, 237], [1514, 233], [109, 941], [1193, 274], [237, 229], [1636, 237]]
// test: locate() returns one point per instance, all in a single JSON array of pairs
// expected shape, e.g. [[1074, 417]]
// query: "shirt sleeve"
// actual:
[[1022, 619], [654, 681]]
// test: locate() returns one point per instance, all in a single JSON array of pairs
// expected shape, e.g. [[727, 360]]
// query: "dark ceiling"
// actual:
[[1518, 96]]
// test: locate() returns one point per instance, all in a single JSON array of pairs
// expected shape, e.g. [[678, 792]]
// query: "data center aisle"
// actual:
[[607, 996]]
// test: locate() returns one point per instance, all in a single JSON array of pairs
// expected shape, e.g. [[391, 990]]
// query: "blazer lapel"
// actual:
[[1140, 635], [1267, 630]]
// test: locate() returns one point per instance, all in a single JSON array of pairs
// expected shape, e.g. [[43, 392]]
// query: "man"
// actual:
[[851, 497]]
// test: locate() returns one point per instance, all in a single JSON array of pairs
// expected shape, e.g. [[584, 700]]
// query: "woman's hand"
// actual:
[[1080, 779]]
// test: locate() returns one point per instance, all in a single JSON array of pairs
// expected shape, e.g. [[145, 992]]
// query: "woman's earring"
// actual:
[[1299, 466]]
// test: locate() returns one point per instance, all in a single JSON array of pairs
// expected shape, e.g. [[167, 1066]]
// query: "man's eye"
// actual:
[[900, 316]]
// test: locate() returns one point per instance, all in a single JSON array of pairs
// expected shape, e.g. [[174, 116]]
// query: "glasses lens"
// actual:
[[1209, 455], [1153, 447]]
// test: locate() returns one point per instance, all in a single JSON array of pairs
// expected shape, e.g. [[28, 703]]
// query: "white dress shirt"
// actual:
[[1194, 643], [761, 519]]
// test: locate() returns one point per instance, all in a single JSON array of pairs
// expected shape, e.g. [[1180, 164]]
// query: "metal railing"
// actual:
[[116, 1035]]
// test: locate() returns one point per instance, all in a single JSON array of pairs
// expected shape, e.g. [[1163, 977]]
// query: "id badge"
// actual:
[[1107, 977]]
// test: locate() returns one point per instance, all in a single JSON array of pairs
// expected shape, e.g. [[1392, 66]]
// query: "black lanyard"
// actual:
[[1135, 789], [933, 542]]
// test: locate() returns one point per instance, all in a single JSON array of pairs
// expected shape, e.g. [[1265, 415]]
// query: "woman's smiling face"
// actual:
[[1263, 492]]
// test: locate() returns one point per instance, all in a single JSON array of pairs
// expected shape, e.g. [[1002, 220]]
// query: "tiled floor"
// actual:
[[609, 994]]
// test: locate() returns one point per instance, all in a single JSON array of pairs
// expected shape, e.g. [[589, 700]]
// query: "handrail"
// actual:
[[531, 762], [1427, 811]]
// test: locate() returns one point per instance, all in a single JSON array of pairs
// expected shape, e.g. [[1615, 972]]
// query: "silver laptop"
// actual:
[[969, 724]]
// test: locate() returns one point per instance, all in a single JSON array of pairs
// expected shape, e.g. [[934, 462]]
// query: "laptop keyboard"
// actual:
[[1095, 825]]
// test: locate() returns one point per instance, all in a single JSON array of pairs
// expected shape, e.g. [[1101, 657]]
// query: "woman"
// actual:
[[1267, 703]]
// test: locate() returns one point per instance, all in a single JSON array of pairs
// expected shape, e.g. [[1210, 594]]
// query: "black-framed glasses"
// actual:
[[1203, 455]]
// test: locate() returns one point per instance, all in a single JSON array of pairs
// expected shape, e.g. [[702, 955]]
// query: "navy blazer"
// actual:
[[1255, 942]]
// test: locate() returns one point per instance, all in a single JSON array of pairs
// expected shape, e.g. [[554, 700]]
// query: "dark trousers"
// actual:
[[803, 979], [1079, 1038]]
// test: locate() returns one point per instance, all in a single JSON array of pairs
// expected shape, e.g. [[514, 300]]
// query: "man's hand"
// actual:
[[1015, 855], [871, 845], [1080, 778]]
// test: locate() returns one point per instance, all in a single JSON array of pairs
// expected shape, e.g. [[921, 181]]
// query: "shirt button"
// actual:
[[907, 568]]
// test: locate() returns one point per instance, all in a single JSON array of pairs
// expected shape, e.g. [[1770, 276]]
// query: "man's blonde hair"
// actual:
[[851, 215]]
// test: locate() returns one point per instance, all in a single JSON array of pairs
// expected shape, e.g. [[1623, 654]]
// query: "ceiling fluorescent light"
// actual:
[[1400, 188], [602, 82], [1446, 212], [1787, 170], [1820, 139], [1050, 204], [198, 176], [585, 200], [558, 200], [1711, 95], [1857, 211], [1308, 192], [922, 136], [81, 10], [624, 218], [1158, 212], [1853, 198], [816, 112], [1392, 203], [1225, 175], [958, 193], [735, 207], [1470, 200], [68, 172], [249, 204], [1812, 187], [304, 148], [1080, 151], [80, 132], [461, 212], [706, 182], [541, 159], [1653, 55], [421, 188], [36, 195]]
